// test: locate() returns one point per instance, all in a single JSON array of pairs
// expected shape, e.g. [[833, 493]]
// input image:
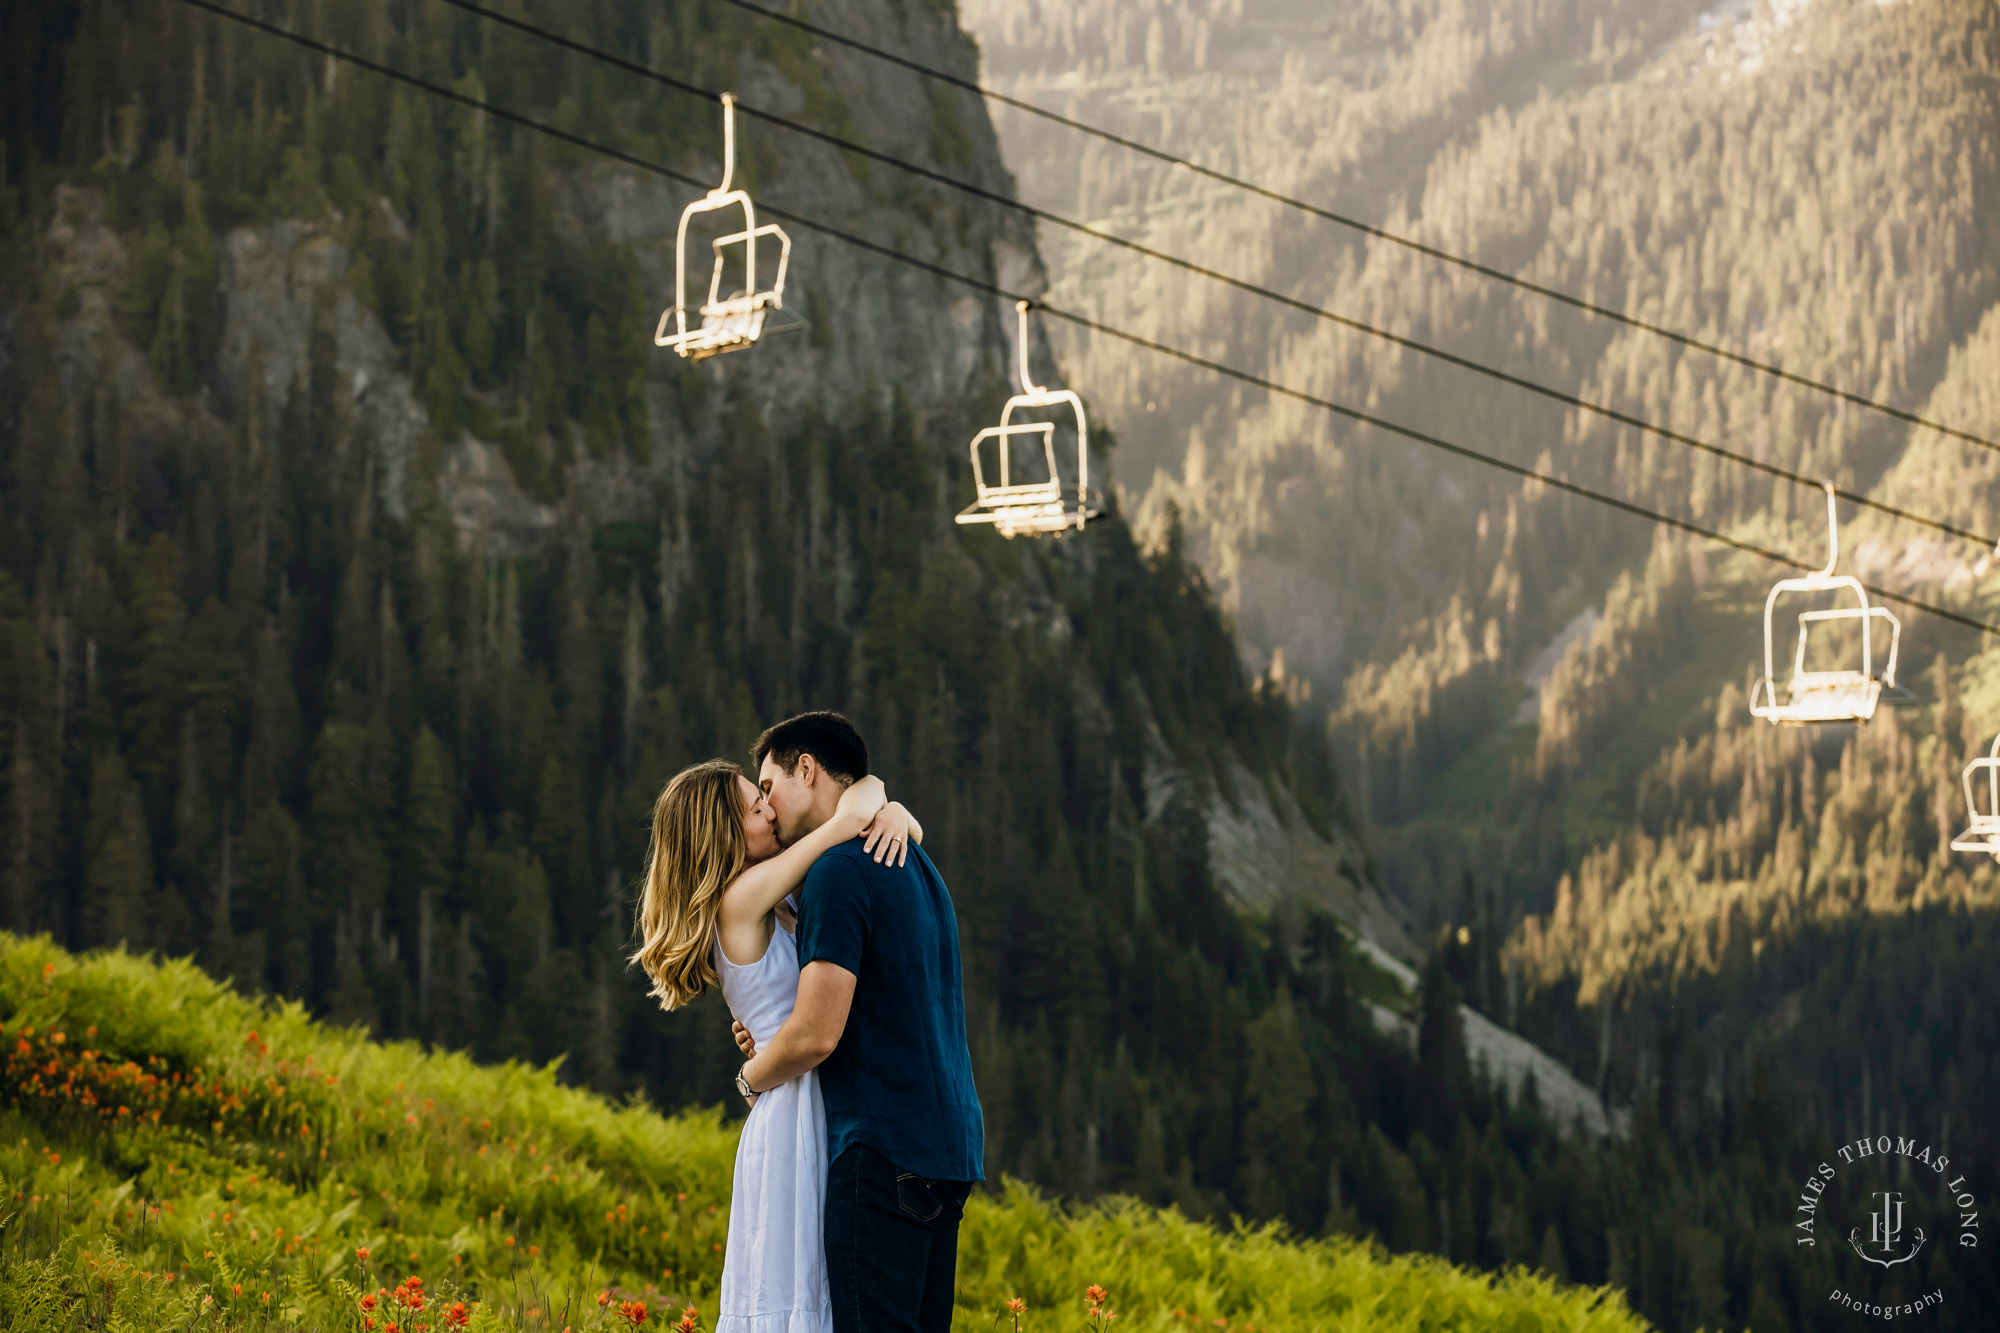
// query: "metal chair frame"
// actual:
[[1826, 696], [1982, 833], [1035, 508], [728, 324]]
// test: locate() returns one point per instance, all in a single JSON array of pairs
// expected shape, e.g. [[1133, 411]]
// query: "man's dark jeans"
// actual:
[[891, 1245]]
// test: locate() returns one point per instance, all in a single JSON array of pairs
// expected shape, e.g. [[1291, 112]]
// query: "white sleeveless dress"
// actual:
[[774, 1268]]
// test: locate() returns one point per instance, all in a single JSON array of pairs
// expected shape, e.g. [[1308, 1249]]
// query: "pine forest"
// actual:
[[1371, 881]]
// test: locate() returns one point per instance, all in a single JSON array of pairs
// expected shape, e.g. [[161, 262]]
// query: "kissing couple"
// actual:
[[806, 899]]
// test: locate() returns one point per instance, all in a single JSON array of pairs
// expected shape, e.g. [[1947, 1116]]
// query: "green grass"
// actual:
[[270, 1171]]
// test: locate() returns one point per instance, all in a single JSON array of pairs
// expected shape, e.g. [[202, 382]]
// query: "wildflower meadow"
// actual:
[[174, 1155]]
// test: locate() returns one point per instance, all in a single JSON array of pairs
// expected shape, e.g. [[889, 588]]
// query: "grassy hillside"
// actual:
[[173, 1155]]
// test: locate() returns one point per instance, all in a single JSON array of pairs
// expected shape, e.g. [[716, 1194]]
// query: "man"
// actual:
[[880, 1014]]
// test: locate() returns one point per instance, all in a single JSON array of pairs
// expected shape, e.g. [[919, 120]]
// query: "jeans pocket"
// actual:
[[916, 1198]]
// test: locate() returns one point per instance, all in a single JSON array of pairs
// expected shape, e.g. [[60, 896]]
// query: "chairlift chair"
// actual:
[[1828, 696], [1983, 833], [734, 322], [1034, 508]]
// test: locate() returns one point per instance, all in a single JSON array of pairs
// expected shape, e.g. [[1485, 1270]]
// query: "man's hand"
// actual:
[[826, 993]]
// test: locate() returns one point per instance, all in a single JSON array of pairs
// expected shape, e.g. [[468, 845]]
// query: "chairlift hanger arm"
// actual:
[[728, 143]]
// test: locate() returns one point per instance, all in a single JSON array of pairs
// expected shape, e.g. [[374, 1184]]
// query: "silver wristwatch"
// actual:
[[743, 1085]]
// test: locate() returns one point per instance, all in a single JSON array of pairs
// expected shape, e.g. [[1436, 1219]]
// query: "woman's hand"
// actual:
[[748, 1045], [889, 834], [862, 799]]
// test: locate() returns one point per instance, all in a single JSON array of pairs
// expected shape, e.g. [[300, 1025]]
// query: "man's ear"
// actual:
[[808, 770]]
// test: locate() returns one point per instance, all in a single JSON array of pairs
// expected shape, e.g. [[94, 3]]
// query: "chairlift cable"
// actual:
[[1266, 293], [1370, 229], [1085, 321]]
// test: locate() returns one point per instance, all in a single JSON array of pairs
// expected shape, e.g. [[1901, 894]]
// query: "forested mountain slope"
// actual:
[[364, 571], [1759, 938], [1823, 200]]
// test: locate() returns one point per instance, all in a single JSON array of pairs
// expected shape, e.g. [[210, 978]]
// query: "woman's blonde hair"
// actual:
[[698, 847]]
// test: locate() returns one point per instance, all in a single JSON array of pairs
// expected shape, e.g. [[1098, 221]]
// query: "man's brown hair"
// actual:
[[826, 736]]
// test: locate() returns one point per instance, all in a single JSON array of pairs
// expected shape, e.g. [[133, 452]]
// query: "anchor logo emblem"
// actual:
[[1885, 1233]]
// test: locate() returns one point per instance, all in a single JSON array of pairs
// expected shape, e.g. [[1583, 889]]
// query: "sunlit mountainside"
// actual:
[[1540, 704]]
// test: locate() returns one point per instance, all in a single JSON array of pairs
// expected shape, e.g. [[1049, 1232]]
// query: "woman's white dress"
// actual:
[[774, 1269]]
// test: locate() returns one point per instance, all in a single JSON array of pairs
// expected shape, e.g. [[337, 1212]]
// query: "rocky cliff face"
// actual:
[[877, 328]]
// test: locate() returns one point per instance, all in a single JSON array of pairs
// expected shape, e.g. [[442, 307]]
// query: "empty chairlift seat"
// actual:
[[736, 321], [1037, 507], [1982, 833], [1844, 695]]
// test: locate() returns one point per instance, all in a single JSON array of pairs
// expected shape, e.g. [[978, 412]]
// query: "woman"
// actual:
[[716, 908]]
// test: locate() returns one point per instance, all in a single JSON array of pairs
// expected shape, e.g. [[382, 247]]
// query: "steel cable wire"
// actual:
[[1552, 480], [1370, 229], [1306, 307]]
